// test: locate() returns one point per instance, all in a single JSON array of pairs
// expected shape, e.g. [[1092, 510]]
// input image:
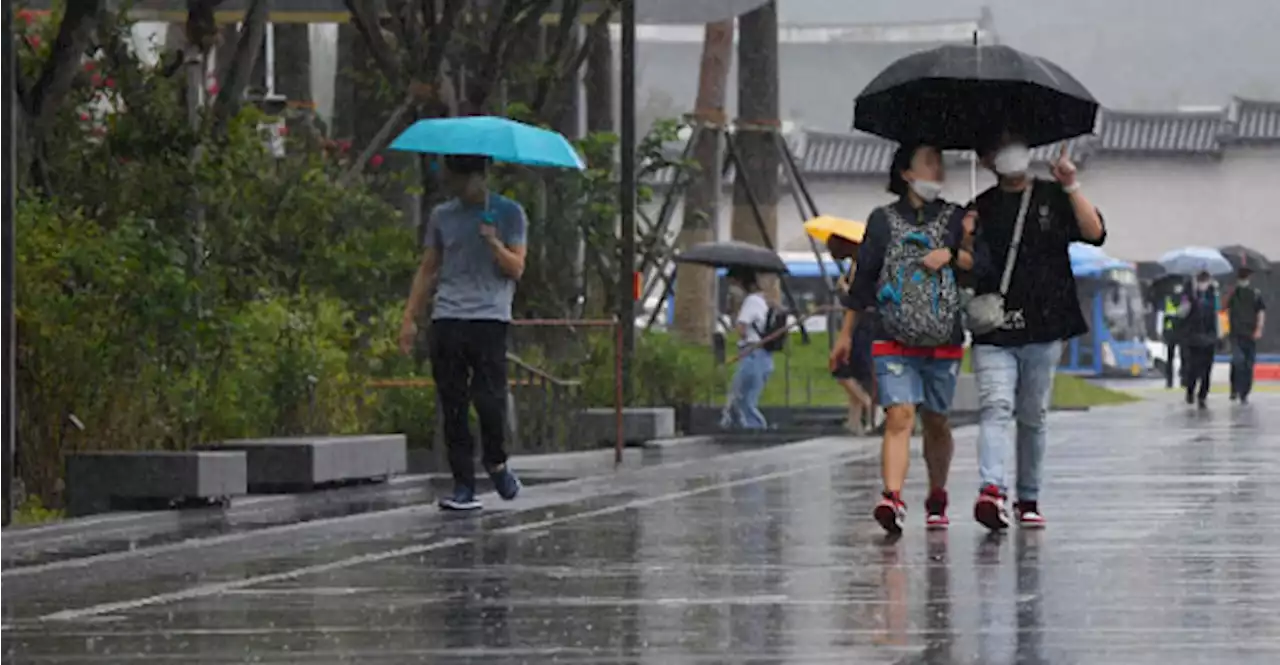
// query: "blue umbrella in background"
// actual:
[[1191, 260], [501, 139]]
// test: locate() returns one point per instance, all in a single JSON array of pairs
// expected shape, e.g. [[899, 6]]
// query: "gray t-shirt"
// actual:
[[470, 285]]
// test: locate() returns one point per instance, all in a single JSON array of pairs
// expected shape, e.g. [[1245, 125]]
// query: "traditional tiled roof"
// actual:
[[1178, 132], [845, 154], [863, 154], [1187, 132], [1253, 120]]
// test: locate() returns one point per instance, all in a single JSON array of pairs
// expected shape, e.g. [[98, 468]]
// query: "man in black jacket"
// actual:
[[1246, 315], [1014, 364]]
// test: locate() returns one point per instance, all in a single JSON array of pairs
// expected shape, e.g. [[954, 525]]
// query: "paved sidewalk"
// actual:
[[1163, 547]]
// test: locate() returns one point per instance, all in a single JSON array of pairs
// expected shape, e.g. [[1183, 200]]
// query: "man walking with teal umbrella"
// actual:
[[474, 255]]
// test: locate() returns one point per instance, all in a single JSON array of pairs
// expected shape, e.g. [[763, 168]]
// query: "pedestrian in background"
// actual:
[[754, 323], [1201, 330], [1028, 225], [1246, 317], [855, 376], [1170, 324], [474, 255]]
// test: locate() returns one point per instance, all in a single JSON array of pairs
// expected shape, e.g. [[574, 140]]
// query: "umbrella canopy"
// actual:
[[822, 227], [1249, 259], [955, 96], [734, 254], [1191, 260], [503, 139]]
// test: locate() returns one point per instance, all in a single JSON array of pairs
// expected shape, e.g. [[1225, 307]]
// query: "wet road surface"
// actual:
[[1163, 547]]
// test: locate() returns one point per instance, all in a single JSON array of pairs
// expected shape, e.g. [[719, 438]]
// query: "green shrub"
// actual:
[[664, 371]]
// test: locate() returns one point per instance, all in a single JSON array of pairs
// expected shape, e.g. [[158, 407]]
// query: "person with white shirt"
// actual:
[[755, 363]]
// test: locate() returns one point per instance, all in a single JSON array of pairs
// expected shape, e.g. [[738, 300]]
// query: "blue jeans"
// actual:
[[1244, 353], [743, 409], [1015, 384], [928, 382]]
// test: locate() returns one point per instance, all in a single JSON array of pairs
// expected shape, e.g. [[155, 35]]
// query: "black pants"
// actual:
[[469, 365], [1171, 352], [1244, 354], [1199, 366]]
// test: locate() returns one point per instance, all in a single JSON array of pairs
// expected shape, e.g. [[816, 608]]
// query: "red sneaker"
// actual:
[[1029, 516], [935, 508], [890, 513], [990, 510]]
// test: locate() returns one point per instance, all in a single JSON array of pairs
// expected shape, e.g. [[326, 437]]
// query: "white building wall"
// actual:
[[1151, 204]]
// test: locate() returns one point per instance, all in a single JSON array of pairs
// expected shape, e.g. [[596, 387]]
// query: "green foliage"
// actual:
[[33, 511], [178, 286], [664, 371]]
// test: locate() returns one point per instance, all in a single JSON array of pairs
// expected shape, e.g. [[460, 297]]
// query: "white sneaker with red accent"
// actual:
[[1029, 515], [990, 510], [890, 513], [935, 508]]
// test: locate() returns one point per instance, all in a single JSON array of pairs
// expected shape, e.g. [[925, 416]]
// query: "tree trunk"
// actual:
[[599, 83], [598, 293], [758, 118], [695, 286], [293, 61]]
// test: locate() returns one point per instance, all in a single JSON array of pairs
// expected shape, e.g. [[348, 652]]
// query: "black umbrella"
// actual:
[[734, 254], [956, 96], [1243, 257]]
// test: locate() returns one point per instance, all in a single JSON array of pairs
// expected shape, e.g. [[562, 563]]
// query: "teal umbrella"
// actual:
[[502, 139]]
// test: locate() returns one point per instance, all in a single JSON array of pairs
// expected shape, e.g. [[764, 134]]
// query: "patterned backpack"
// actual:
[[918, 307]]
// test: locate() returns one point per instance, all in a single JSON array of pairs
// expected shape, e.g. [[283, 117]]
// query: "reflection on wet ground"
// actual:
[[1163, 547]]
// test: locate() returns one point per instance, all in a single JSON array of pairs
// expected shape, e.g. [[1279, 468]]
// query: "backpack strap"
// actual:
[[1011, 259]]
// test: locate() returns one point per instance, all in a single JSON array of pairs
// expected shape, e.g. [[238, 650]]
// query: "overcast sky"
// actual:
[[1132, 54]]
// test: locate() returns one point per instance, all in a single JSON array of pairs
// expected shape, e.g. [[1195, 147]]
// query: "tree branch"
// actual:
[[79, 22], [364, 14], [555, 79], [252, 32]]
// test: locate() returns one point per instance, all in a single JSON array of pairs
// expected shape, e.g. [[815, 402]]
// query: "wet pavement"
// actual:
[[1163, 547]]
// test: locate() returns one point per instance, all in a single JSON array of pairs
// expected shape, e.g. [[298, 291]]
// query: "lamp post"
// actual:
[[627, 197], [8, 157]]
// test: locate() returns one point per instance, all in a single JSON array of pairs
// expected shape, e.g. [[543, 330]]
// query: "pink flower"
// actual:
[[110, 83], [344, 145], [375, 161], [213, 89], [90, 65], [95, 80], [84, 117], [26, 16], [284, 130], [34, 41]]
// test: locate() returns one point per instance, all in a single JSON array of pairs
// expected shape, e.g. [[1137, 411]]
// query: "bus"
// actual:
[[805, 279], [1112, 303]]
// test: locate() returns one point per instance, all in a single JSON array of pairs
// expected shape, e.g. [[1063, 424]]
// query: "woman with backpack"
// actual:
[[755, 362], [906, 273]]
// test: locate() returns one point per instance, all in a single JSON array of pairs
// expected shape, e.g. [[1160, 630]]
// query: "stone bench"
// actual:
[[102, 481], [600, 426], [309, 462]]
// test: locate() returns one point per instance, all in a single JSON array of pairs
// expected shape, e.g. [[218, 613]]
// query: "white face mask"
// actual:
[[927, 190], [1012, 160]]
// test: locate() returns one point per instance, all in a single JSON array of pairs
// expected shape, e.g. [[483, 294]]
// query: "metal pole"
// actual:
[[627, 196], [10, 186]]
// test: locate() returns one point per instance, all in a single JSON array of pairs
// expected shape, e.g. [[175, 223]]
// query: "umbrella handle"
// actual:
[[754, 346]]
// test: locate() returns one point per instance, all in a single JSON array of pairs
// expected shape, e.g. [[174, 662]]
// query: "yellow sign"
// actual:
[[1136, 369]]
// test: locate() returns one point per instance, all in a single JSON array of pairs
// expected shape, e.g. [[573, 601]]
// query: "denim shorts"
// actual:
[[929, 382]]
